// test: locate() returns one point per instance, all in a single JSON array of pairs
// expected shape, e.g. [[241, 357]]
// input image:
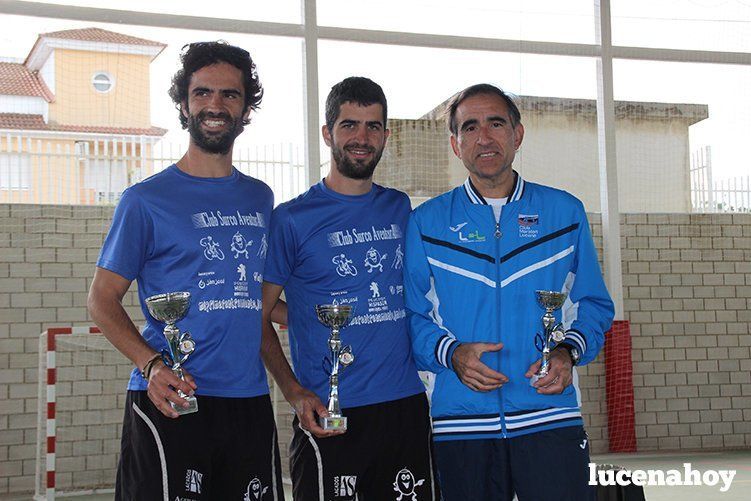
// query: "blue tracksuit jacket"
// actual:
[[468, 278]]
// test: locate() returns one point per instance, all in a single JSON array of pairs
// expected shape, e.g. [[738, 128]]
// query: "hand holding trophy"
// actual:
[[170, 308], [553, 333], [335, 317]]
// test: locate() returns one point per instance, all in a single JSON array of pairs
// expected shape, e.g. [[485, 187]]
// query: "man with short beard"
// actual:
[[167, 234], [341, 243]]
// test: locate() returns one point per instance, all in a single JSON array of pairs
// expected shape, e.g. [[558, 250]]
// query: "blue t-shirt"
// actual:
[[208, 236], [327, 248]]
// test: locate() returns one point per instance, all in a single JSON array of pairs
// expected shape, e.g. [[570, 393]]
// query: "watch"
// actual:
[[573, 352]]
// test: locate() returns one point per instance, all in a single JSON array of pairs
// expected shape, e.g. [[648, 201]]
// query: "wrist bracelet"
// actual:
[[146, 371]]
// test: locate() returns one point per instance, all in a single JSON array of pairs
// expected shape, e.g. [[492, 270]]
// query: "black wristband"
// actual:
[[146, 371]]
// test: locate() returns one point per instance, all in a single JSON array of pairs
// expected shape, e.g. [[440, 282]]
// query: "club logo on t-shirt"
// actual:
[[374, 260], [344, 266], [240, 245], [211, 249], [398, 261], [263, 247]]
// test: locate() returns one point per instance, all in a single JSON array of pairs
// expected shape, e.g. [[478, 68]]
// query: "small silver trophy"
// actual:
[[335, 317], [553, 333], [170, 308]]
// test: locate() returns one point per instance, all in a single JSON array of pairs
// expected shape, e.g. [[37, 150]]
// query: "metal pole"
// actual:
[[310, 93], [611, 230]]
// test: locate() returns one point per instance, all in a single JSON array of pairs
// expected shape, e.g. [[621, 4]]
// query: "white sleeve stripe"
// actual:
[[578, 339]]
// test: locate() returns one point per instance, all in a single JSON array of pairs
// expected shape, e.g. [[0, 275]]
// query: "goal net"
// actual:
[[82, 380]]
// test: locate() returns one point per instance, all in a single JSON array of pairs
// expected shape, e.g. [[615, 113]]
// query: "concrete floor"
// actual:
[[740, 461]]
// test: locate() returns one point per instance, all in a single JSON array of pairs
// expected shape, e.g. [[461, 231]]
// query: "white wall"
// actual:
[[24, 104]]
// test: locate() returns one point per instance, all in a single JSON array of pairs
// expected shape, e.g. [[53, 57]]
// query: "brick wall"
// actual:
[[687, 294], [687, 288]]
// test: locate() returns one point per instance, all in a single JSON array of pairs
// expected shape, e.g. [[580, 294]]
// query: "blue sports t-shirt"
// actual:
[[208, 236], [327, 248]]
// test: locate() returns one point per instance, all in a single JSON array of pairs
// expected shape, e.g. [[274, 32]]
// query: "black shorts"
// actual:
[[226, 450], [551, 464], [385, 454]]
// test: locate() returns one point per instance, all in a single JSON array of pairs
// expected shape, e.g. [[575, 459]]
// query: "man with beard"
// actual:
[[319, 244], [166, 234]]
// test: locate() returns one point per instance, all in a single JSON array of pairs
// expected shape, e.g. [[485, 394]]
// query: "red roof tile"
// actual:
[[100, 35], [20, 121], [17, 80]]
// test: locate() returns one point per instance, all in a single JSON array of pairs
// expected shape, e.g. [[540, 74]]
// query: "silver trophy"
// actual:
[[335, 317], [170, 308], [553, 333]]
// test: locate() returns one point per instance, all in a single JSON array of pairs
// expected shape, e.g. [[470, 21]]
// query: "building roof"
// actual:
[[89, 39], [100, 35], [18, 80], [21, 121], [692, 113]]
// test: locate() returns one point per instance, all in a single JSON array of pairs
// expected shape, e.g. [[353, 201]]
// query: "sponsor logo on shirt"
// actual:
[[467, 235], [345, 485], [193, 480]]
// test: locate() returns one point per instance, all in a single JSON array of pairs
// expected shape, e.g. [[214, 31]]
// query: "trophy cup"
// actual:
[[335, 317], [169, 308], [553, 333]]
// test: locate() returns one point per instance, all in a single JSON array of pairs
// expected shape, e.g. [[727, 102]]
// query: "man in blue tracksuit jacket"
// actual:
[[474, 258]]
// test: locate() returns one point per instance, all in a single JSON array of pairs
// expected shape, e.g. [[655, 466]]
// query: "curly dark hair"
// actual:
[[360, 90], [198, 55]]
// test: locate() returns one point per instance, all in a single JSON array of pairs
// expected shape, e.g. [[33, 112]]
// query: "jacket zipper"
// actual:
[[498, 236]]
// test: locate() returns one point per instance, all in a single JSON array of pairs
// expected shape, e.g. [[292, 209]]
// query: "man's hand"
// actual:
[[307, 405], [559, 373], [470, 369], [160, 393]]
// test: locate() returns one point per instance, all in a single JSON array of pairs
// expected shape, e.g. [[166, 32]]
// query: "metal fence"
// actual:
[[97, 171], [712, 195]]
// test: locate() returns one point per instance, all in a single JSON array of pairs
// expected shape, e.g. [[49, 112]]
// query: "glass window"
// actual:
[[682, 140], [270, 147], [556, 96], [542, 20], [714, 25], [102, 82], [280, 11]]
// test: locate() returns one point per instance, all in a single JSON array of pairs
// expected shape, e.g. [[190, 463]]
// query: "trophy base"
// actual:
[[536, 378], [337, 423], [192, 406]]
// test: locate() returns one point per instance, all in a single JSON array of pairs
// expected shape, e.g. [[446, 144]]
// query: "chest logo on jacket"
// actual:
[[467, 235], [528, 225]]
